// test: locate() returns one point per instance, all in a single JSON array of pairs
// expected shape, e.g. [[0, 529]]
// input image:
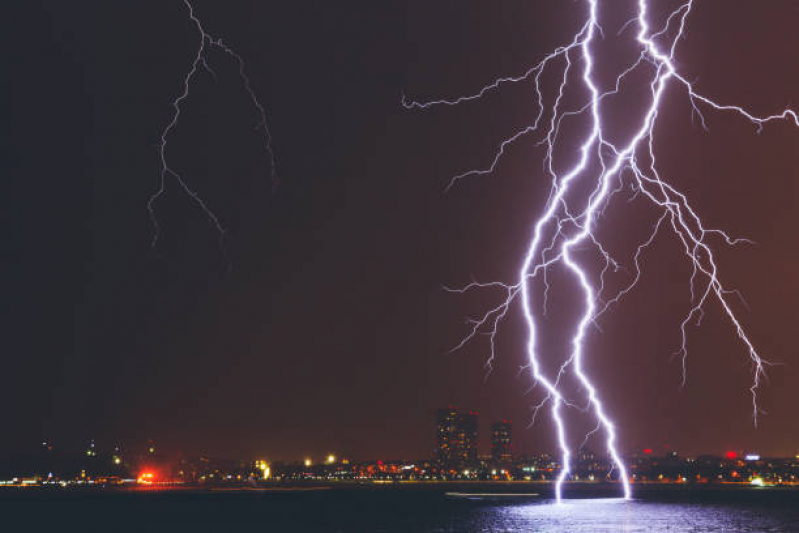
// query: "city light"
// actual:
[[308, 461], [331, 459], [590, 468], [263, 466]]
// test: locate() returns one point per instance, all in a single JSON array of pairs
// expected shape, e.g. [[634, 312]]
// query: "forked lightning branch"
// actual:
[[605, 167], [201, 64]]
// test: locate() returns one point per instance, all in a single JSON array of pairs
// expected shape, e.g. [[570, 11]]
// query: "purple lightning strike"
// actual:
[[201, 63], [569, 218]]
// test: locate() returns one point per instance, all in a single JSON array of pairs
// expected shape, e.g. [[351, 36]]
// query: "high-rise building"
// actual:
[[445, 430], [501, 444], [456, 437], [465, 441]]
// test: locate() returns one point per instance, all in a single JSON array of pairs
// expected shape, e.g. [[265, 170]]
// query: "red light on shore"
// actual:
[[146, 478], [647, 451], [731, 455]]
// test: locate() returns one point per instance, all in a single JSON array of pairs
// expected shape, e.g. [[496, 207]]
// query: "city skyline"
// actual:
[[458, 438], [455, 459]]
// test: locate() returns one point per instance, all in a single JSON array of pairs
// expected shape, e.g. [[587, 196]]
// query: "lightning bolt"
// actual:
[[200, 63], [567, 224]]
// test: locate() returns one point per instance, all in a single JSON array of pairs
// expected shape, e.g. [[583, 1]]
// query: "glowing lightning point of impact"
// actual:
[[199, 62], [560, 212]]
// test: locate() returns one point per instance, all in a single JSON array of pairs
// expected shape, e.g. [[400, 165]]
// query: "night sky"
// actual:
[[321, 325]]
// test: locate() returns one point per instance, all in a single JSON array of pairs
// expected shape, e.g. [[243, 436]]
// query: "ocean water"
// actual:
[[395, 510]]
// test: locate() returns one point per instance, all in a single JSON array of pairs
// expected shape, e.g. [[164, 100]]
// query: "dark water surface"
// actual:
[[396, 510]]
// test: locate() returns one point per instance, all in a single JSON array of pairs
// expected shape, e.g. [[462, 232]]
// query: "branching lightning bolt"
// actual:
[[198, 64], [568, 221]]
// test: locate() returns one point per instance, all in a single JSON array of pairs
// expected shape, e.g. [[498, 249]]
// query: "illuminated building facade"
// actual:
[[456, 435], [465, 442], [445, 430], [501, 443]]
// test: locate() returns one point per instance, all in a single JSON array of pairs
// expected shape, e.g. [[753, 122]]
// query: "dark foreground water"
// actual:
[[422, 510]]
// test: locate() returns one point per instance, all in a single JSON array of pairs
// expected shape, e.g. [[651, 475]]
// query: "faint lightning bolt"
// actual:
[[567, 222], [199, 63]]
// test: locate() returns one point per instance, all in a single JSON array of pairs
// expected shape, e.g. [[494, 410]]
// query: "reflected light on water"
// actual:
[[601, 514], [630, 516]]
